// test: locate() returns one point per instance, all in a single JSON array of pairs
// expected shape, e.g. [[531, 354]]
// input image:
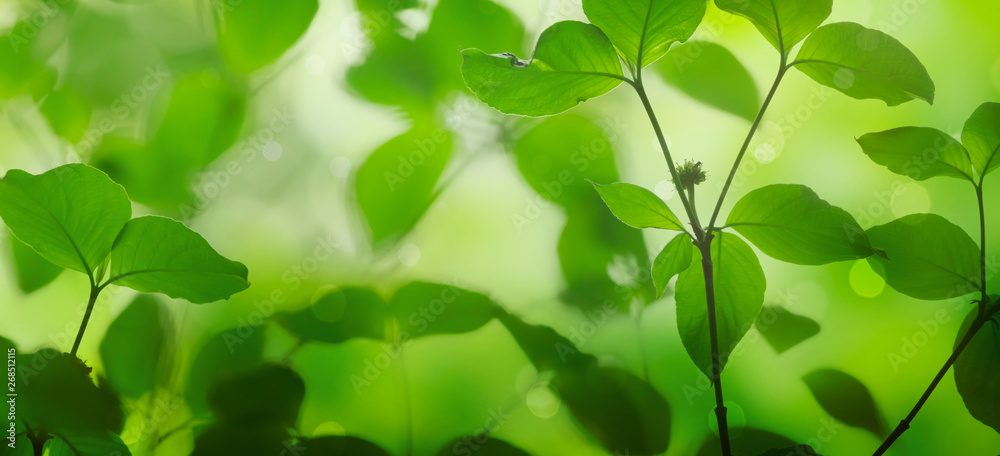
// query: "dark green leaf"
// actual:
[[977, 371], [234, 439], [638, 207], [160, 255], [712, 75], [269, 394], [797, 450], [222, 356], [739, 294], [338, 315], [648, 27], [254, 33], [56, 393], [69, 444], [33, 271], [928, 257], [981, 137], [70, 215], [846, 399], [864, 63], [544, 347], [791, 223], [425, 309], [397, 183], [572, 62], [672, 260], [133, 345], [782, 329], [68, 113], [340, 445], [920, 153], [479, 445], [783, 22], [751, 441]]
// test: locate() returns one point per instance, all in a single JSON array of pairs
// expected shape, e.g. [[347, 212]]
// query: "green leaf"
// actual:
[[751, 441], [341, 445], [646, 27], [792, 224], [33, 271], [739, 295], [396, 73], [232, 439], [479, 445], [618, 408], [223, 355], [133, 345], [573, 62], [711, 74], [798, 450], [981, 137], [254, 33], [846, 399], [269, 394], [397, 183], [928, 257], [783, 329], [339, 315], [919, 153], [977, 371], [107, 444], [68, 113], [638, 207], [159, 255], [70, 215], [544, 347], [782, 22], [424, 309], [864, 63], [672, 260], [203, 118]]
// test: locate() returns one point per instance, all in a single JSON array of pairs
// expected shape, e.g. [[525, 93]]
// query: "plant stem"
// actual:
[[985, 298], [713, 335], [94, 291]]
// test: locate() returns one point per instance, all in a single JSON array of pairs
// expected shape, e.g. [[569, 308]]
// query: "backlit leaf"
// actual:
[[672, 260], [783, 22], [638, 207], [711, 74], [919, 153], [977, 371], [648, 27], [254, 33], [981, 137], [133, 347]]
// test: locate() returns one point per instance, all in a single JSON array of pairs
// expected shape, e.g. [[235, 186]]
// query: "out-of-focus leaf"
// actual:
[[846, 399], [159, 255], [269, 394], [55, 393], [396, 73], [19, 72], [69, 444], [977, 371], [739, 295], [133, 346], [864, 63], [672, 260], [645, 27], [222, 356], [798, 450], [981, 137], [68, 113], [783, 22], [480, 445], [341, 445], [544, 347], [234, 439], [339, 315], [919, 153], [396, 184], [425, 309], [791, 223], [254, 33], [638, 207], [33, 271], [751, 441], [711, 74], [558, 155], [572, 62], [70, 215], [783, 329], [928, 257]]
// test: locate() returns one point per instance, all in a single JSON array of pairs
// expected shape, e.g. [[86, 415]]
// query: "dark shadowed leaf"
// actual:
[[159, 255], [224, 355], [33, 271], [977, 371], [981, 137], [751, 441], [425, 309], [234, 439], [928, 257], [106, 444], [269, 394], [645, 27], [396, 184], [254, 33], [341, 445], [919, 153], [339, 315], [783, 22], [133, 345], [846, 399], [544, 347], [712, 75], [791, 223], [572, 62], [864, 63], [797, 450], [480, 445], [672, 260], [638, 207], [70, 215], [782, 329], [68, 113], [739, 294]]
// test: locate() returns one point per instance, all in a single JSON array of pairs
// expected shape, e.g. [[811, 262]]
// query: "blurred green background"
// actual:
[[261, 160]]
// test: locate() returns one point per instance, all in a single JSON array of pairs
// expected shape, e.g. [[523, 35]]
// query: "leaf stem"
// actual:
[[713, 335], [985, 297], [94, 292]]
